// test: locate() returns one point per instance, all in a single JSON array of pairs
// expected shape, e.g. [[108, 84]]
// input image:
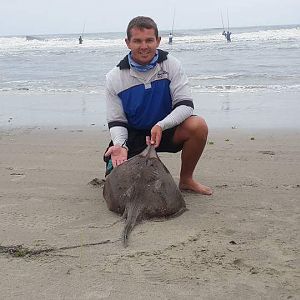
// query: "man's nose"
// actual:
[[144, 44]]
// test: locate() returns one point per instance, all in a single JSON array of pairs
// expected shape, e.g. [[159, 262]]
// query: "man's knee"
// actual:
[[193, 126], [196, 125]]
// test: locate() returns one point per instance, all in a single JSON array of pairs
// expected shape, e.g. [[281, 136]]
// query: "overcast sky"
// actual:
[[26, 17]]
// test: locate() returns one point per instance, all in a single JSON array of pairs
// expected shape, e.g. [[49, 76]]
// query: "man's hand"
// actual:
[[118, 154], [156, 133]]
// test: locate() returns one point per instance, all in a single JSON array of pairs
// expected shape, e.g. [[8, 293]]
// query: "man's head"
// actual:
[[142, 39], [141, 23]]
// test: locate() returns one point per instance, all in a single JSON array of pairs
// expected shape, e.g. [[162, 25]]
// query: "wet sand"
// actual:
[[258, 110], [240, 243]]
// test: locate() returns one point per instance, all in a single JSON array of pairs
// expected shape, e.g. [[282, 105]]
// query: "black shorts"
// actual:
[[136, 142]]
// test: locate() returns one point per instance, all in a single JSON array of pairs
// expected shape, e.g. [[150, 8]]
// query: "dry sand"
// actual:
[[240, 243]]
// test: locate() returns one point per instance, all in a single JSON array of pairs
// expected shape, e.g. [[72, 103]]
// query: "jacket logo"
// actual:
[[161, 73]]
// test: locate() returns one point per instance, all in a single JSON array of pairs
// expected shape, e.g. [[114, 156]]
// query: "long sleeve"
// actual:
[[177, 116]]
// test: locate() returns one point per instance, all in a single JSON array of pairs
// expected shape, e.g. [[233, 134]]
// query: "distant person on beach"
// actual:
[[80, 40], [228, 34], [170, 38], [148, 95]]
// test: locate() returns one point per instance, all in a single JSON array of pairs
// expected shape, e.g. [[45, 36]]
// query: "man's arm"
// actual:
[[177, 116], [119, 135], [117, 124], [181, 100]]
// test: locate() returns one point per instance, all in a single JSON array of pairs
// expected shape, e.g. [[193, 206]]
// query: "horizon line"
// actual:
[[162, 30]]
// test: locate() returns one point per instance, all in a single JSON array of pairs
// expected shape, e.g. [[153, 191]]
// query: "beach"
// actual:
[[240, 243], [58, 240]]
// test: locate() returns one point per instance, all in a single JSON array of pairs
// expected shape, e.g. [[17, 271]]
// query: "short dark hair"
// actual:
[[141, 22]]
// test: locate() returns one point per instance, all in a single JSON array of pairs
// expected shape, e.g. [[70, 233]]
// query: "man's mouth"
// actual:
[[144, 53]]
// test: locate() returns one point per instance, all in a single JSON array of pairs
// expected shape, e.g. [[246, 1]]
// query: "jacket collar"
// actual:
[[124, 64]]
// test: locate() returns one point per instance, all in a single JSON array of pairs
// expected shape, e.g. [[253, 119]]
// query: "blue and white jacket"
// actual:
[[141, 99]]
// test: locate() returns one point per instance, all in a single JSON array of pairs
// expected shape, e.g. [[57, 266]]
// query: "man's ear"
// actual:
[[127, 42], [158, 40]]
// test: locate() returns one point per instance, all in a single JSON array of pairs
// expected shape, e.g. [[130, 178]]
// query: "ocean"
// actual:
[[254, 81]]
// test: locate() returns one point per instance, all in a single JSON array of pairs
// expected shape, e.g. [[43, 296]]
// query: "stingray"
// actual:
[[142, 188]]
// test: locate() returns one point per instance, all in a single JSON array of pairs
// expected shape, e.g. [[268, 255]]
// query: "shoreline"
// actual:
[[259, 110], [241, 242]]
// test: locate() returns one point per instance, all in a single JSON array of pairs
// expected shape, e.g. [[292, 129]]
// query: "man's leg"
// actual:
[[193, 134]]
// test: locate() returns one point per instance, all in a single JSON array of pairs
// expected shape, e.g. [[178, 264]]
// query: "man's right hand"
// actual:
[[118, 154]]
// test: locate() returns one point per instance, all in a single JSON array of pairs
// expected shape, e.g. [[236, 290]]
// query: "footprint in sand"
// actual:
[[221, 186], [17, 176], [102, 291], [291, 186], [268, 152]]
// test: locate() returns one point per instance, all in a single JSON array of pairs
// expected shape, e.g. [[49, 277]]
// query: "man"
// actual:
[[228, 34], [147, 94], [170, 38]]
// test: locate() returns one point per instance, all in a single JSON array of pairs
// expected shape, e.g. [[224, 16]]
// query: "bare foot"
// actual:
[[196, 187]]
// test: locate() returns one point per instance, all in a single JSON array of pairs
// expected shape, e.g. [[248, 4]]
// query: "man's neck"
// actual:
[[142, 68]]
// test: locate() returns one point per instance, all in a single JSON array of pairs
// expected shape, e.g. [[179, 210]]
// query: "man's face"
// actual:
[[143, 44]]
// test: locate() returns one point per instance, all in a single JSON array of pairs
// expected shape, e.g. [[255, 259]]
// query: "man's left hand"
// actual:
[[156, 133]]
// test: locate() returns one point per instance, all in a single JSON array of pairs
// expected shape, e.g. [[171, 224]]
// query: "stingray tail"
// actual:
[[132, 216]]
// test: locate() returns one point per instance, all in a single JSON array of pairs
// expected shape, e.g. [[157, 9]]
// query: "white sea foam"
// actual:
[[258, 59], [65, 45], [255, 35], [95, 41], [216, 76], [244, 88], [271, 35]]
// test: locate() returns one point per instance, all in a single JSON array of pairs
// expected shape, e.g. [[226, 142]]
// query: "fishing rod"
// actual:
[[227, 20], [83, 29], [222, 20], [173, 22]]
